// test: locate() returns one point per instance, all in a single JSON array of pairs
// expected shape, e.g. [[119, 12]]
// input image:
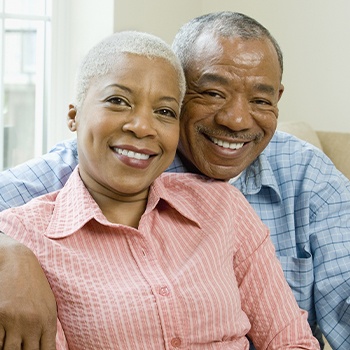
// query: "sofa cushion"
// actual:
[[337, 147], [302, 130]]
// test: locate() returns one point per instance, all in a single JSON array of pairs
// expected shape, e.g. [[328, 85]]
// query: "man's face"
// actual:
[[230, 109]]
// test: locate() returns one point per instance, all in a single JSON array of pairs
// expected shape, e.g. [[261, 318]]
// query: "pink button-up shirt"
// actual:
[[199, 272]]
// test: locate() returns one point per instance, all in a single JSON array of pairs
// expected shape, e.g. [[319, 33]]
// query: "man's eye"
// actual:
[[262, 102], [213, 94], [166, 112]]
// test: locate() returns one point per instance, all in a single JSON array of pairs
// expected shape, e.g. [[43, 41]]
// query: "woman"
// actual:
[[138, 259]]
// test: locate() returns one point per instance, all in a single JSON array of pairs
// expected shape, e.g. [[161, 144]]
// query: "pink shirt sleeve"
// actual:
[[276, 319]]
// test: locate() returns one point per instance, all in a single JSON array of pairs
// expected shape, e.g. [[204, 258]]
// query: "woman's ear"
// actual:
[[72, 112]]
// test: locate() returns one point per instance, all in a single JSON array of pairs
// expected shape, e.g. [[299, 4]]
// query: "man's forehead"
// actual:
[[211, 49]]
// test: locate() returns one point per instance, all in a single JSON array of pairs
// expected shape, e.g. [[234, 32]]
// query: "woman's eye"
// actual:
[[118, 101], [166, 112]]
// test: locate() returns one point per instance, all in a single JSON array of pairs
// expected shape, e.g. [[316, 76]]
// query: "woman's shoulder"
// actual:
[[199, 187]]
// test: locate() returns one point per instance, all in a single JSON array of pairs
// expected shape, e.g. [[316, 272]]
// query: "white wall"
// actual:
[[314, 36], [76, 27], [159, 17]]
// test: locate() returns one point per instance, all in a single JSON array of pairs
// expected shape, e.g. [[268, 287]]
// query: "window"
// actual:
[[25, 29], [41, 45]]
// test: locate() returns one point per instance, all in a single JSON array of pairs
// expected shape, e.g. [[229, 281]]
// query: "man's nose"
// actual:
[[235, 114]]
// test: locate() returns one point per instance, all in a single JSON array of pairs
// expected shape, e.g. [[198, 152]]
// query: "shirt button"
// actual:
[[164, 291], [175, 342]]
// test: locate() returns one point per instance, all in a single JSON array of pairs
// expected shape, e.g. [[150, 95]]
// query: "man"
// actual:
[[234, 69]]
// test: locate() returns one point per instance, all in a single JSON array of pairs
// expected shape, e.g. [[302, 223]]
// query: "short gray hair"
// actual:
[[101, 59], [225, 24]]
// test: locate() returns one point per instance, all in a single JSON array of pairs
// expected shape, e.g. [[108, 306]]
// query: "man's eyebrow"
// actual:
[[269, 89], [212, 78]]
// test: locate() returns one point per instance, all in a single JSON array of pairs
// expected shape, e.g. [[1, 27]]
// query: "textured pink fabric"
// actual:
[[198, 273]]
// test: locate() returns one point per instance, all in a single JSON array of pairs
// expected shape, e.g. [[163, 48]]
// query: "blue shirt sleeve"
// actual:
[[330, 247], [38, 176]]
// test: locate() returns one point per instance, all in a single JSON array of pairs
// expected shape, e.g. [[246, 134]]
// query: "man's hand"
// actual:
[[27, 304]]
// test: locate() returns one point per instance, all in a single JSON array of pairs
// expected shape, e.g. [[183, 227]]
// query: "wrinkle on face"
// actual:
[[233, 90]]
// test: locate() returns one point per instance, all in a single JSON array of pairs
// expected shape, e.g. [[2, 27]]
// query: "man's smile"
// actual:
[[226, 144]]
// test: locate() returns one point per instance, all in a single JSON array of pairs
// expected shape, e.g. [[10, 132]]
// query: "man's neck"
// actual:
[[187, 164]]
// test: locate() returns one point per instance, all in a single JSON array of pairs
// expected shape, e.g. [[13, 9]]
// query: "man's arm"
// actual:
[[27, 304], [38, 176], [330, 242]]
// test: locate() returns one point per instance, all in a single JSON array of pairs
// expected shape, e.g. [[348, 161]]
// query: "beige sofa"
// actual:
[[335, 144]]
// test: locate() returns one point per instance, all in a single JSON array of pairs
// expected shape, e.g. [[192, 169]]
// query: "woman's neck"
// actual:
[[125, 211]]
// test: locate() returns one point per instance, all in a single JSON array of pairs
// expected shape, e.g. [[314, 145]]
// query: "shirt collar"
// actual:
[[170, 188], [74, 206], [257, 175]]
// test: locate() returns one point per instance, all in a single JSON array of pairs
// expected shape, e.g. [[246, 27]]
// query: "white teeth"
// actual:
[[132, 154], [225, 144]]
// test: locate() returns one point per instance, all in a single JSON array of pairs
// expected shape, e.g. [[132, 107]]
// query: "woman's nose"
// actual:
[[140, 123]]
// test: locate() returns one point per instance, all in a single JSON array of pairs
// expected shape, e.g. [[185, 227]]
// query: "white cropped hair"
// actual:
[[101, 59]]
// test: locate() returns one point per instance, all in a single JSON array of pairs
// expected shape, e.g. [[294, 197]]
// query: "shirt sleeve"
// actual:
[[38, 176], [330, 247], [276, 320]]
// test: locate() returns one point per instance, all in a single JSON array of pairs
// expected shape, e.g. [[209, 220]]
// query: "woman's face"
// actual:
[[128, 127]]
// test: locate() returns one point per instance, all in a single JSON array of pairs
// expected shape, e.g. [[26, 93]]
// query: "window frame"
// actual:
[[43, 26], [74, 29]]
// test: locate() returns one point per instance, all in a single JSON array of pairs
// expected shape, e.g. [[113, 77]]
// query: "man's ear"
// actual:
[[280, 92], [72, 112]]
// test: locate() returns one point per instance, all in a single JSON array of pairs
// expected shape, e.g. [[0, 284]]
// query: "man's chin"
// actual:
[[218, 172]]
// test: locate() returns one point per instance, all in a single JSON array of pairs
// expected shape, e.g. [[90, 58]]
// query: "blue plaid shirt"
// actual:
[[297, 193]]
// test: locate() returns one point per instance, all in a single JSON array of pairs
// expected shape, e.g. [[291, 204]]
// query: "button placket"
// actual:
[[160, 286]]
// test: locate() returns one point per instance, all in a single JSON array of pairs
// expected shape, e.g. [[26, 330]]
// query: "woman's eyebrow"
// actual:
[[126, 89], [122, 87]]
